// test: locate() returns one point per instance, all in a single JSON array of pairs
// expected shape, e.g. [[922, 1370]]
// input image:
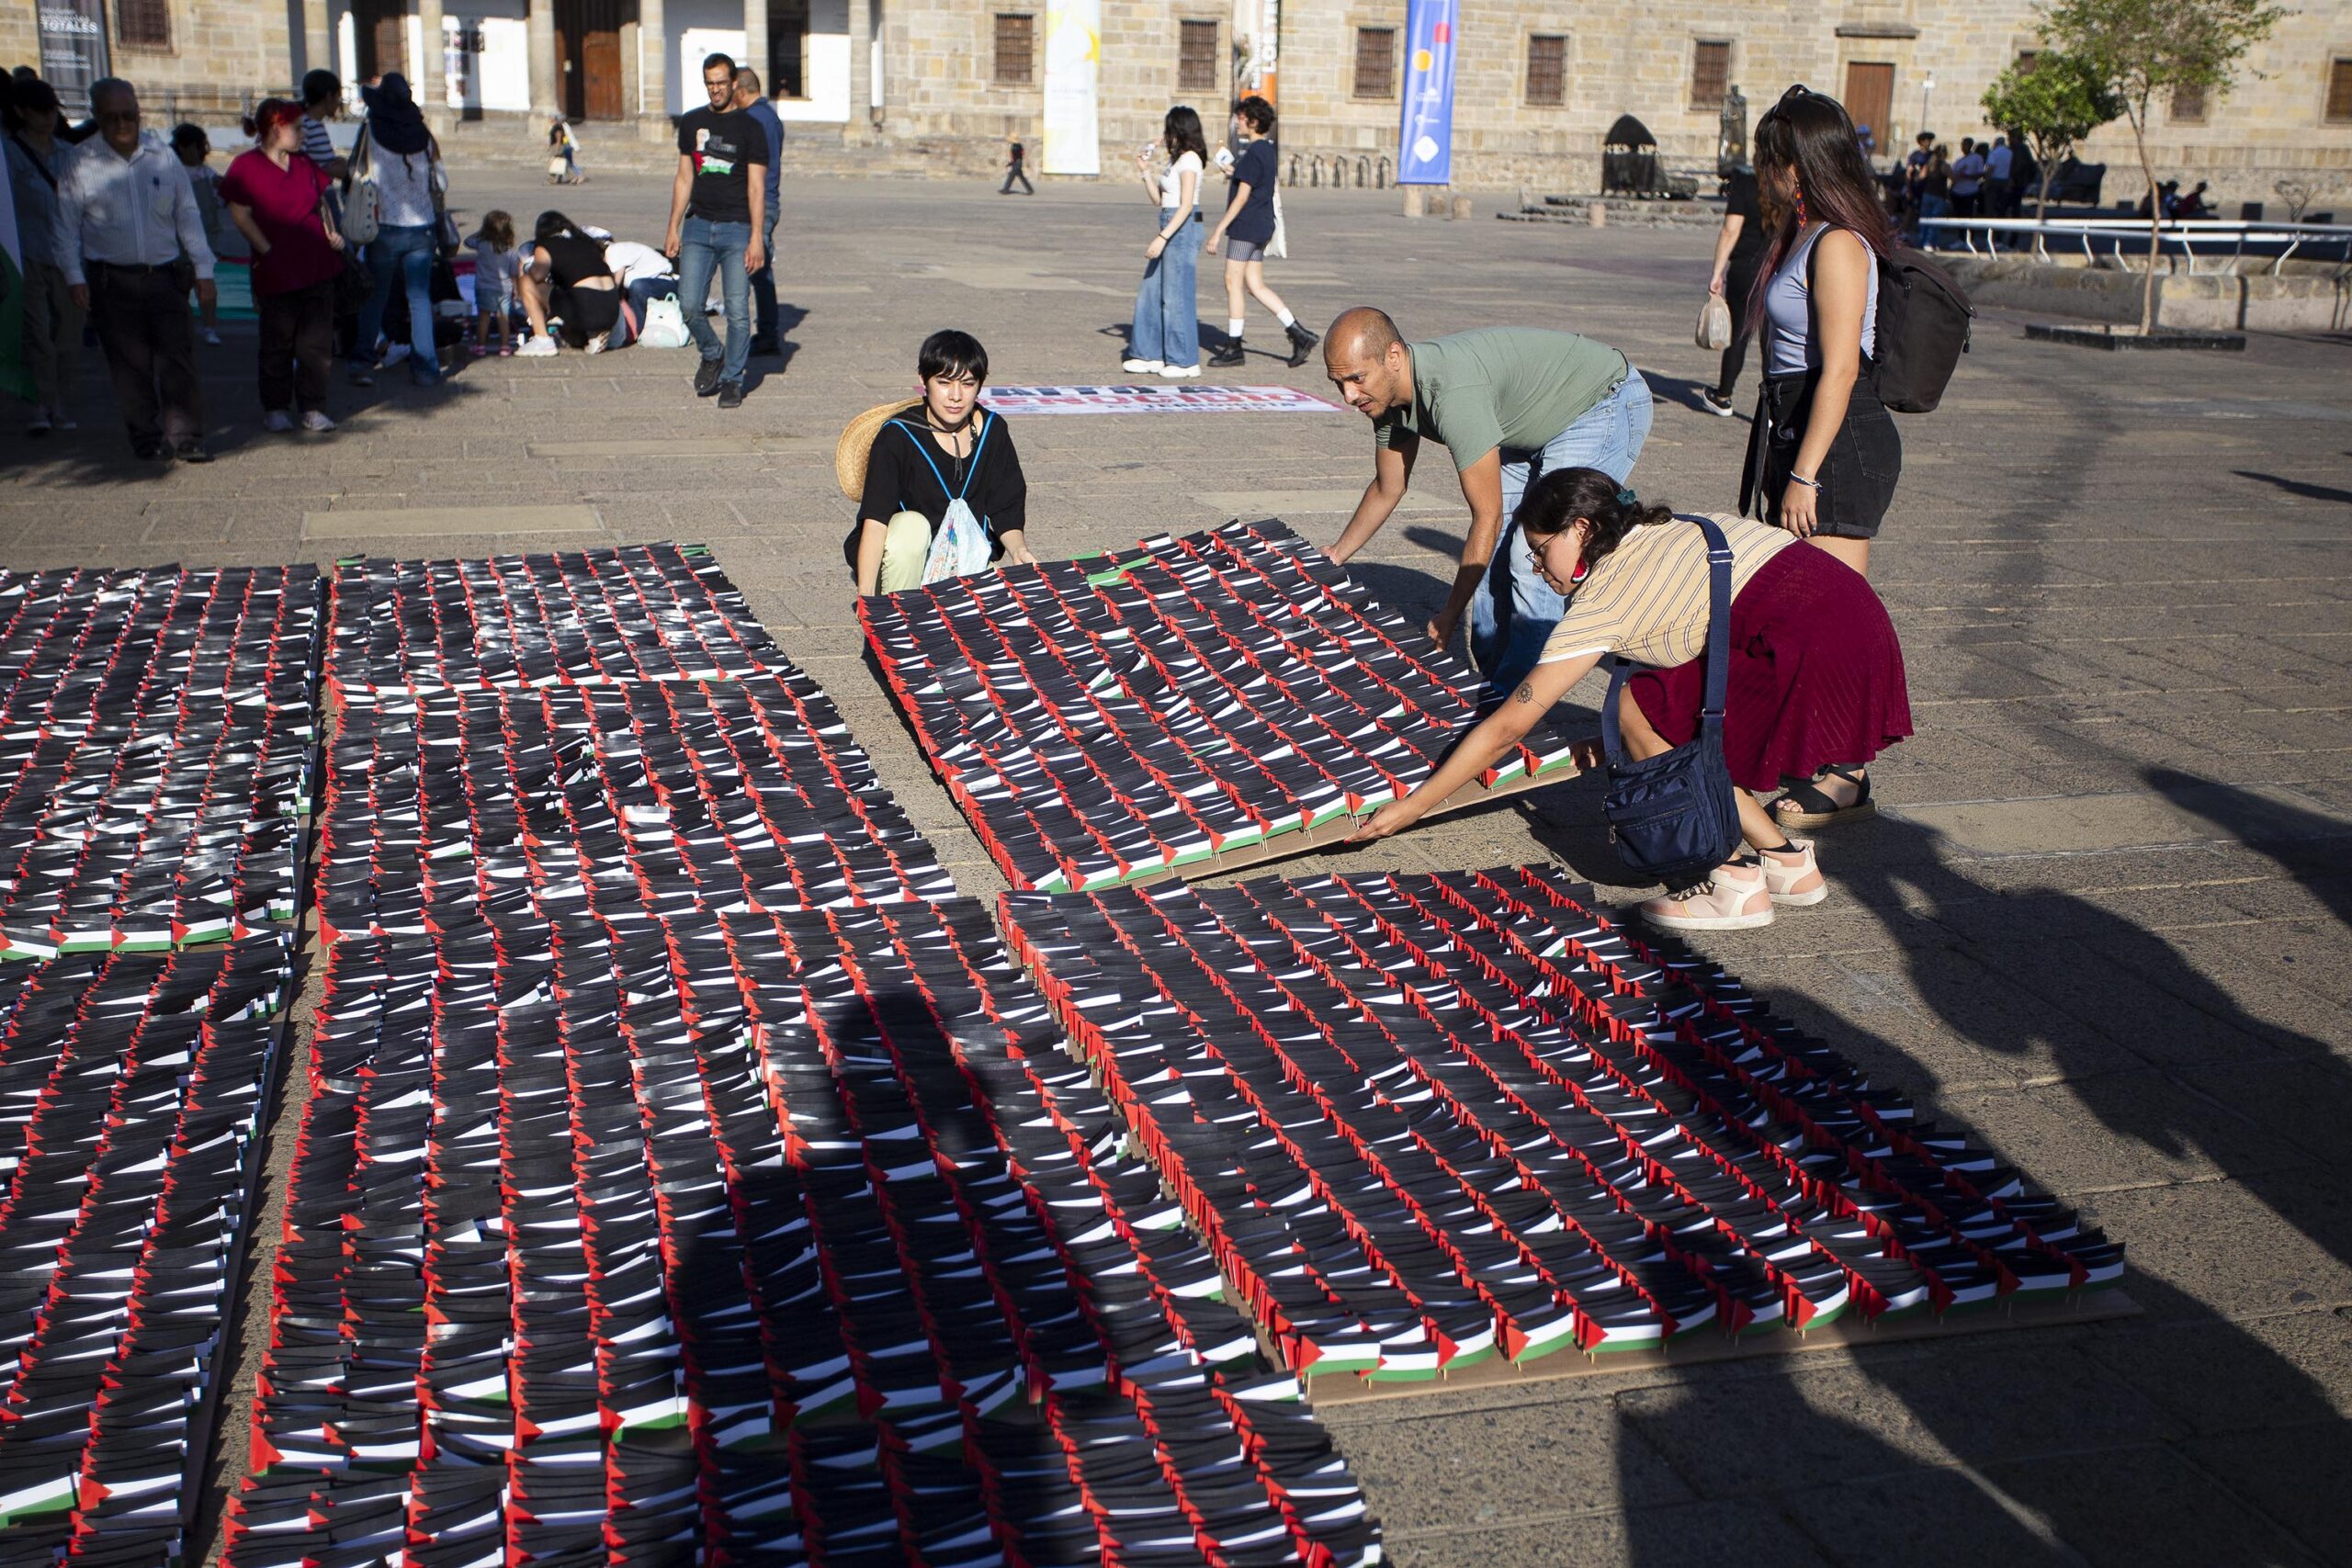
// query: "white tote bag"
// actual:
[[1278, 248]]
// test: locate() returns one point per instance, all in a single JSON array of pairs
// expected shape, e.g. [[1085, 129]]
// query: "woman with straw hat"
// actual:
[[944, 464]]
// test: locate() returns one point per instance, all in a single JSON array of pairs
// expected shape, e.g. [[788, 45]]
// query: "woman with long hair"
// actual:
[[564, 276], [1822, 457], [277, 198], [1165, 337], [398, 150], [1815, 673], [1251, 219]]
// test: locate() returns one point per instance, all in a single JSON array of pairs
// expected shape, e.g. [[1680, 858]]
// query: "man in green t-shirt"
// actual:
[[1510, 404]]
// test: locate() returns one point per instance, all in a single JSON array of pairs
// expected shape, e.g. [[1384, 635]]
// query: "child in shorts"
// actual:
[[496, 263]]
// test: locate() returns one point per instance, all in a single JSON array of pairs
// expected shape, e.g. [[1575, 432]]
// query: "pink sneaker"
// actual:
[[1794, 878], [1733, 900]]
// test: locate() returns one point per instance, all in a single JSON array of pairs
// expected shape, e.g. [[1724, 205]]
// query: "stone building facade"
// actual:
[[944, 82]]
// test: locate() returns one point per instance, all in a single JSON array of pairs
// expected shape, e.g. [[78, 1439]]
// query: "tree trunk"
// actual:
[[2155, 219], [2049, 157]]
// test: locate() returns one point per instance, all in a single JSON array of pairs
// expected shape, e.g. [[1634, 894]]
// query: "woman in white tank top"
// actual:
[[1825, 455]]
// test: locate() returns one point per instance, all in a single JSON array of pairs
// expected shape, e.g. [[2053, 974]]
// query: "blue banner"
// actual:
[[1425, 149]]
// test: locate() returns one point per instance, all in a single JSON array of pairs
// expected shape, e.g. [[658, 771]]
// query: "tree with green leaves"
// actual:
[[2053, 101], [2140, 47]]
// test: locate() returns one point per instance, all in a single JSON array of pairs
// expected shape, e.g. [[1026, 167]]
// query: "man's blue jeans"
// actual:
[[763, 285], [1514, 609], [400, 253], [704, 246]]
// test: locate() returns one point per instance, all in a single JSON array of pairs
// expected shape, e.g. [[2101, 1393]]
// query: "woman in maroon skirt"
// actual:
[[1816, 674]]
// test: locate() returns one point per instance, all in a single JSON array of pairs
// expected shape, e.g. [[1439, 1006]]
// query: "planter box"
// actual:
[[2131, 337]]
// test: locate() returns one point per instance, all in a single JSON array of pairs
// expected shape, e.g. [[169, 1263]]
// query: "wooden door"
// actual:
[[383, 40], [588, 54], [1869, 99]]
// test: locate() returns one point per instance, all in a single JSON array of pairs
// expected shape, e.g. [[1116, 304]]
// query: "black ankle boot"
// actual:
[[1301, 342], [1229, 356]]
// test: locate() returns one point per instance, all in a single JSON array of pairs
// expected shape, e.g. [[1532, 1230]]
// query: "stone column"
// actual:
[[653, 63], [858, 127], [755, 39], [432, 82], [547, 91]]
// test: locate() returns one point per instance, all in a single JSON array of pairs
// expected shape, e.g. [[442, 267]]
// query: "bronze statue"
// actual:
[[1730, 139]]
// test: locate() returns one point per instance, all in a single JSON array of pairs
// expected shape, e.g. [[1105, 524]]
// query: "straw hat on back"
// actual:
[[857, 444]]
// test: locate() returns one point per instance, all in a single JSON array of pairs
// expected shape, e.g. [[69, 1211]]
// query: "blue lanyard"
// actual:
[[921, 439]]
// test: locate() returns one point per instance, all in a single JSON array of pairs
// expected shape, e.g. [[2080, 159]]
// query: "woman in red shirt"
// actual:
[[277, 198]]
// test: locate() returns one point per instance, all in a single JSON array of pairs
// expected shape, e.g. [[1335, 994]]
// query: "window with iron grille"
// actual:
[[1196, 69], [1016, 48], [1548, 69], [2187, 105], [1710, 72], [1376, 63], [2027, 59], [2339, 92], [143, 24]]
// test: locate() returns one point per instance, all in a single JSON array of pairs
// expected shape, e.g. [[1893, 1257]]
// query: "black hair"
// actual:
[[726, 60], [1556, 500], [1806, 140], [554, 225], [1258, 112], [317, 84], [185, 135], [952, 353], [30, 99], [1181, 133]]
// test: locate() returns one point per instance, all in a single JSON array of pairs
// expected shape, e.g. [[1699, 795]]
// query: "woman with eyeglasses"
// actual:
[[1823, 457]]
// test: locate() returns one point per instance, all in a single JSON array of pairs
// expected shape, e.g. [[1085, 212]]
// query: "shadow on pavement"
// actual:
[[2298, 487], [2307, 846]]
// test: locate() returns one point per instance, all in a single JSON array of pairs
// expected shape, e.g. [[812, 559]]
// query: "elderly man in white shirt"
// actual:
[[130, 239]]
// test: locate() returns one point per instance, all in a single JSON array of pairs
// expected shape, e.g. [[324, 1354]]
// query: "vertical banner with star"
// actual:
[[1073, 64], [1425, 147]]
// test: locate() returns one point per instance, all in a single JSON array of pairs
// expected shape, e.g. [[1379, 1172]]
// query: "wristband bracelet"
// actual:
[[1801, 480]]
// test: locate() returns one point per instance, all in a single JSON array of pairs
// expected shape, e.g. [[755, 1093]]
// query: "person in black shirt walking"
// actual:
[[718, 215], [1013, 172], [1739, 249]]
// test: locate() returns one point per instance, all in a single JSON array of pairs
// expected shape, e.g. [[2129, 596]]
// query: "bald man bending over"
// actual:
[[1510, 404]]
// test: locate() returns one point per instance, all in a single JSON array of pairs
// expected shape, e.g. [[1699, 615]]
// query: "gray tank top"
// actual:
[[1789, 348]]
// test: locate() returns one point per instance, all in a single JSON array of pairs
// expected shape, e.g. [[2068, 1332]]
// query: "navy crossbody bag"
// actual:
[[1673, 817]]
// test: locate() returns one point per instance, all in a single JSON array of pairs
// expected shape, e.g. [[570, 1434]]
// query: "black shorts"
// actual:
[[585, 312], [1857, 478]]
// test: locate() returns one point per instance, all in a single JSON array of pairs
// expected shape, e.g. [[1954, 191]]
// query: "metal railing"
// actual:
[[2188, 233]]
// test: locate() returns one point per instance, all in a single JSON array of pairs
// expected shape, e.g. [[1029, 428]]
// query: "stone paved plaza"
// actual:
[[2102, 923]]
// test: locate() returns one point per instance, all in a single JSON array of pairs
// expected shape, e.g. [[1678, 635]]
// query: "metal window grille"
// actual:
[[1376, 63], [1548, 69], [1016, 48], [143, 24], [1196, 59], [1710, 72]]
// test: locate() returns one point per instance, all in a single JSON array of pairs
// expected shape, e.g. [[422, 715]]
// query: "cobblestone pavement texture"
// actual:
[[2103, 922]]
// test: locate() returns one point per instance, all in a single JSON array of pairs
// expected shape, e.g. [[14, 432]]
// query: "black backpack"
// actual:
[[1922, 326]]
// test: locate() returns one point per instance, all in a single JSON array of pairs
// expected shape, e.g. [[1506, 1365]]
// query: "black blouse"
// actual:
[[900, 478]]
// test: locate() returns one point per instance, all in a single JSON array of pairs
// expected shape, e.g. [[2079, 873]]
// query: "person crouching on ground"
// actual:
[[564, 278], [942, 450], [1815, 673]]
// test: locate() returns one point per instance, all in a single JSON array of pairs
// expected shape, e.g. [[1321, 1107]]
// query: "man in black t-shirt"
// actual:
[[1739, 252], [1012, 171], [718, 212]]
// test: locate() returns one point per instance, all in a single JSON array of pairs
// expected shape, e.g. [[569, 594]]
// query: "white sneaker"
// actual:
[[1180, 372], [212, 338], [317, 423], [536, 348], [277, 421], [1795, 877], [395, 355], [1735, 898], [600, 342], [1143, 366]]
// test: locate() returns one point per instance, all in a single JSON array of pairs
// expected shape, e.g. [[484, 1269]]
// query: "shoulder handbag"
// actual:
[[1673, 817], [360, 212]]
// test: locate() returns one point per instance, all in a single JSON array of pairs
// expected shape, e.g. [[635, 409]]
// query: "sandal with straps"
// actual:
[[1807, 808]]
